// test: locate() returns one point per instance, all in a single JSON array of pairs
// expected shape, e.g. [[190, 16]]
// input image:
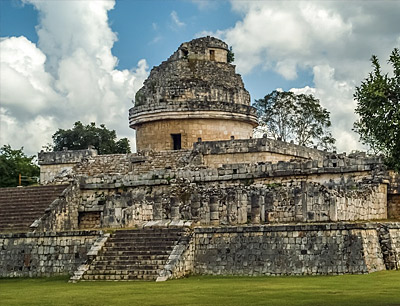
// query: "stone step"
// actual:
[[14, 224], [22, 215], [141, 244], [153, 248], [119, 277], [147, 235], [28, 193], [135, 253], [16, 229], [129, 267], [133, 262], [20, 207], [149, 231], [126, 257], [149, 239], [27, 210], [122, 272]]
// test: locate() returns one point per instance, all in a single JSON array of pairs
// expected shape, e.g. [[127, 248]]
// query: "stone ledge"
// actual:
[[64, 157], [294, 227], [200, 109], [51, 234], [257, 145]]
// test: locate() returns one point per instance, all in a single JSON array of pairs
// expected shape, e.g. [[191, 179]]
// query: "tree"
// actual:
[[378, 105], [301, 118], [15, 162], [81, 137]]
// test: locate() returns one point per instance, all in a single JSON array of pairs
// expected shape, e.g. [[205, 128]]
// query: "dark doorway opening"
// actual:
[[212, 55], [177, 141]]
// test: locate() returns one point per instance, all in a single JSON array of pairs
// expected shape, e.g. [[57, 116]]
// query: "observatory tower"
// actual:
[[194, 94]]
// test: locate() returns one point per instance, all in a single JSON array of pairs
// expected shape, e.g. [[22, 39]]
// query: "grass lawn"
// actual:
[[381, 288]]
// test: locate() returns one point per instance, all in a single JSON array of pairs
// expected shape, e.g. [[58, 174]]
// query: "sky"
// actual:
[[63, 61]]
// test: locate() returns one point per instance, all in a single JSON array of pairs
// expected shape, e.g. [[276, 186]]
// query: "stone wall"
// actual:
[[394, 235], [134, 164], [199, 49], [195, 83], [221, 204], [289, 249], [125, 190], [394, 195], [49, 172], [394, 206], [60, 163], [302, 249], [257, 150], [157, 135], [44, 254], [62, 214], [192, 80]]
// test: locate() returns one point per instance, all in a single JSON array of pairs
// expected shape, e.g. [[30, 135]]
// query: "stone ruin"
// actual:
[[210, 198]]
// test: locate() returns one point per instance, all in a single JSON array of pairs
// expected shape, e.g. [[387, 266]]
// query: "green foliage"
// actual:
[[81, 137], [378, 105], [15, 162], [231, 55], [301, 118]]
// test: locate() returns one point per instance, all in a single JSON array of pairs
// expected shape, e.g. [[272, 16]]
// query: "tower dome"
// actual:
[[194, 94]]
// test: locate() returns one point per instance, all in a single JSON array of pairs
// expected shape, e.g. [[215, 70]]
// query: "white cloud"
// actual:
[[287, 68], [206, 4], [175, 19], [25, 85], [70, 75], [333, 39]]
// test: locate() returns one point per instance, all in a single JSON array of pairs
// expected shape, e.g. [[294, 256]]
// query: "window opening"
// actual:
[[184, 53], [212, 55]]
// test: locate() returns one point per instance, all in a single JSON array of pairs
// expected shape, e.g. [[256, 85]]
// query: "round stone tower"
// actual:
[[194, 94]]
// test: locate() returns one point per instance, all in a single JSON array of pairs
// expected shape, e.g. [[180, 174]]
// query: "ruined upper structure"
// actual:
[[194, 94]]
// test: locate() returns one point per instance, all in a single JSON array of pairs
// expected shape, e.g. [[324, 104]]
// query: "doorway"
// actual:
[[176, 141]]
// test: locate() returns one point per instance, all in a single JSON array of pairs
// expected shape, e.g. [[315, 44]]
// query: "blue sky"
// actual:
[[146, 30], [63, 61]]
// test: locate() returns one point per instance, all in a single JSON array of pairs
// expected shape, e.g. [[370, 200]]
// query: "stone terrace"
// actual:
[[21, 206]]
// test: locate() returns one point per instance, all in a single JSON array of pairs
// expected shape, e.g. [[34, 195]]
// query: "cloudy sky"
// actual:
[[63, 61]]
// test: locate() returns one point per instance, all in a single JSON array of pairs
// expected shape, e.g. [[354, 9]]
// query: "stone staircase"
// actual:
[[21, 206], [134, 254]]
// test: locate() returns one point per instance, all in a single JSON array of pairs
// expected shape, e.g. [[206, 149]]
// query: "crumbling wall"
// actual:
[[130, 189], [44, 254], [288, 250], [192, 80], [393, 206], [230, 204], [394, 234], [62, 214], [252, 151], [60, 163], [394, 195]]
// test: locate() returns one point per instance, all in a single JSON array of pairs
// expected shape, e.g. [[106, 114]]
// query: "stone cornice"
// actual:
[[188, 110]]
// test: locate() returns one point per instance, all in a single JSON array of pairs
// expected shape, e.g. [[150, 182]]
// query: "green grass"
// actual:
[[381, 288]]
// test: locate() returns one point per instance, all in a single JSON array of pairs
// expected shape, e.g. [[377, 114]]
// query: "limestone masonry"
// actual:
[[202, 197], [194, 94]]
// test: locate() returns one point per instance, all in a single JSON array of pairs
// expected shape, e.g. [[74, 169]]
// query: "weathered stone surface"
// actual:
[[290, 249], [194, 94], [44, 254], [265, 207], [60, 163]]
